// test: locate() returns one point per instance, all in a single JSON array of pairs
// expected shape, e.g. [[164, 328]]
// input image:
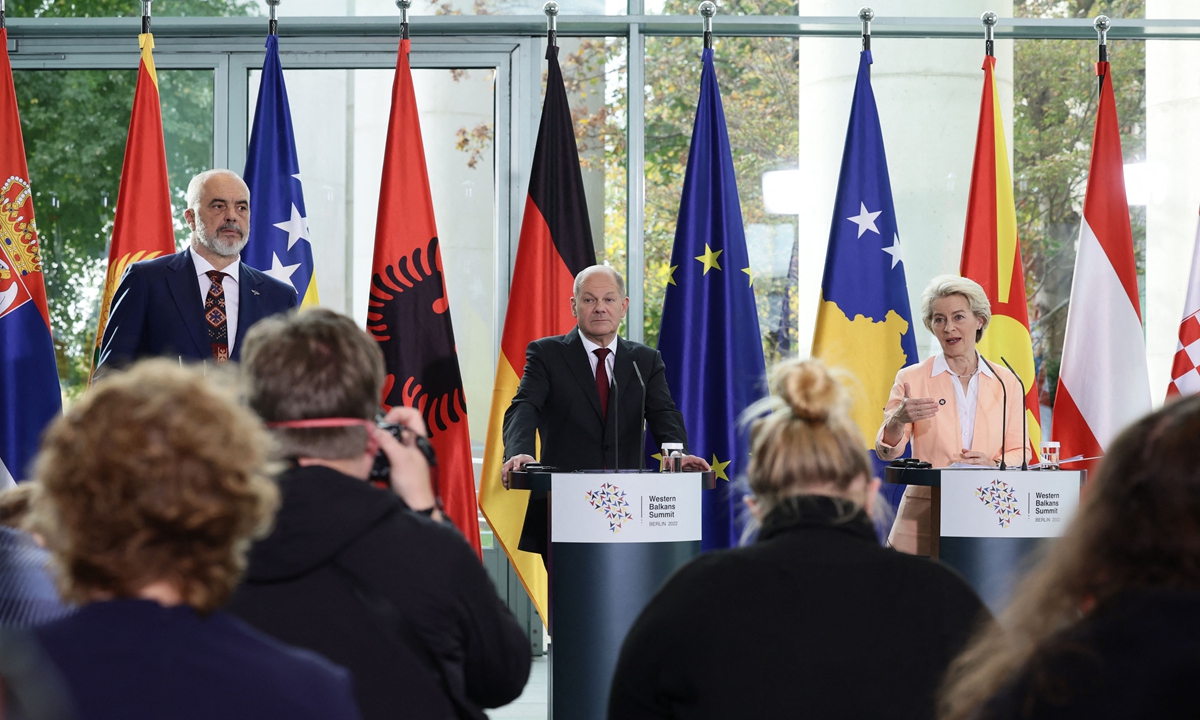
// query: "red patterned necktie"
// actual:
[[214, 316], [602, 378]]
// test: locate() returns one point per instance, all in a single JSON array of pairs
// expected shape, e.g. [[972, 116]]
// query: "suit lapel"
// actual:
[[623, 370], [581, 368], [185, 289], [250, 307]]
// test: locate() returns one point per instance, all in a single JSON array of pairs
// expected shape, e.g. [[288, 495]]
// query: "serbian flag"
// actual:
[[1103, 384], [991, 254], [29, 391], [408, 312], [142, 227], [555, 244], [1185, 371]]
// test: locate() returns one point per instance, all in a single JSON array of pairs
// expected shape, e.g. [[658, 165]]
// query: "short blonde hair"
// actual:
[[156, 474], [808, 440], [944, 286]]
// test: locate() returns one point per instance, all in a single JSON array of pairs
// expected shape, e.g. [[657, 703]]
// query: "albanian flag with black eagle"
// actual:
[[409, 312]]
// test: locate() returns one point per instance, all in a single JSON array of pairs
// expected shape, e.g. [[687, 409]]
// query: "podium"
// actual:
[[988, 523], [615, 537]]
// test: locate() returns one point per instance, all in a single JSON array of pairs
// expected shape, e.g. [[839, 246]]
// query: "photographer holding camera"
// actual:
[[369, 578]]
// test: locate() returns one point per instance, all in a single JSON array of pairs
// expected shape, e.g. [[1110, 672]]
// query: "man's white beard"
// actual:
[[217, 244]]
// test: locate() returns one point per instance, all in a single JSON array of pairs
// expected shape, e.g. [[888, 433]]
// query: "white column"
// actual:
[[1172, 152], [928, 93]]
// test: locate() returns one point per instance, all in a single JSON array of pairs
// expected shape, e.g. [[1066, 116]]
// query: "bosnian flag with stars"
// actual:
[[279, 242]]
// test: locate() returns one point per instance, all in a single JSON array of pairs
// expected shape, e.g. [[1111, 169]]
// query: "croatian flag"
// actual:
[[1185, 371]]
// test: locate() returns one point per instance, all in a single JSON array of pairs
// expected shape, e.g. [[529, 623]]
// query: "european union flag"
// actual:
[[279, 239], [710, 339], [864, 324]]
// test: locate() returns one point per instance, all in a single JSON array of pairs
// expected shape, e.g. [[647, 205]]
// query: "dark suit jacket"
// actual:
[[558, 400], [137, 659], [157, 311]]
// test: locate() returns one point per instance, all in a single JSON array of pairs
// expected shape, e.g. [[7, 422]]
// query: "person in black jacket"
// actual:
[[814, 619], [1106, 625], [367, 577]]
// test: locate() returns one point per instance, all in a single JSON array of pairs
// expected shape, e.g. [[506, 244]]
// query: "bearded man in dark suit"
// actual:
[[582, 394], [199, 303]]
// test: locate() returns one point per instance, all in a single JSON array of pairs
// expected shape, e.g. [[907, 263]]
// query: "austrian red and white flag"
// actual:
[[1103, 384], [1185, 371]]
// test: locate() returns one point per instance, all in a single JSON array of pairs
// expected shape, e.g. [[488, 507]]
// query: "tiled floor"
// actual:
[[532, 703]]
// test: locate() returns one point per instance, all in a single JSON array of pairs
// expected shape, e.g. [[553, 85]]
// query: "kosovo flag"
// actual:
[[279, 239], [29, 391], [864, 324], [710, 339]]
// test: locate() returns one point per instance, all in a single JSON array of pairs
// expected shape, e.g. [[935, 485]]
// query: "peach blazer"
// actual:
[[938, 440]]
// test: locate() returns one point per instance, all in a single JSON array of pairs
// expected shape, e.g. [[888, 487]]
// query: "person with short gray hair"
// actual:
[[195, 305], [951, 406]]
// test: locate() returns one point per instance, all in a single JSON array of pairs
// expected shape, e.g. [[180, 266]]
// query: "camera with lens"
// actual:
[[381, 471]]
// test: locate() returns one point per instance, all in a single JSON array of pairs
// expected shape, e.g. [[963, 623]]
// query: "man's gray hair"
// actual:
[[197, 184], [587, 272]]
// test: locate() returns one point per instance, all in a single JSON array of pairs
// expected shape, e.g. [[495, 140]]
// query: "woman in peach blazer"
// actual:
[[950, 405]]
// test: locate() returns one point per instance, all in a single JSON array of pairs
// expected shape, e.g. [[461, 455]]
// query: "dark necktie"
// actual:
[[214, 316], [602, 378]]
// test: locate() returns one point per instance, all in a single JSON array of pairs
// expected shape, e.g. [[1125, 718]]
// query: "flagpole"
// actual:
[[273, 23], [1102, 23], [404, 5], [2, 25], [551, 10], [989, 20], [866, 14], [707, 10], [146, 16]]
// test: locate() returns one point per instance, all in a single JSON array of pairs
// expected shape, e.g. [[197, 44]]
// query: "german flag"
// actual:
[[555, 244], [142, 227], [408, 312], [991, 254]]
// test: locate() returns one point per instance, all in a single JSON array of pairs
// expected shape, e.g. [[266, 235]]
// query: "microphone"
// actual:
[[1004, 408], [616, 413], [642, 417], [1024, 439]]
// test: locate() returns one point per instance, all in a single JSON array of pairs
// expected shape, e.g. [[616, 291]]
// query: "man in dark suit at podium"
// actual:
[[586, 393], [199, 303]]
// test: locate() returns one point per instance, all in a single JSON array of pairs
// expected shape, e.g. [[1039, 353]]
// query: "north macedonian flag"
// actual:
[[555, 244], [991, 254], [29, 390], [408, 312], [142, 227]]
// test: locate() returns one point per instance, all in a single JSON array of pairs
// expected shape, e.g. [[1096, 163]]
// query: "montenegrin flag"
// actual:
[[555, 244], [408, 312], [864, 324], [279, 238], [142, 227], [1103, 383], [991, 254], [29, 393]]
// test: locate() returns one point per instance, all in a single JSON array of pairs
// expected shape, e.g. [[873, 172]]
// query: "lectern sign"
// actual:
[[625, 507], [991, 503]]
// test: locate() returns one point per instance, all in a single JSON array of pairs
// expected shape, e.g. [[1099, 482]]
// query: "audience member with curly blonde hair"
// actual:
[[151, 488], [815, 619], [1106, 626]]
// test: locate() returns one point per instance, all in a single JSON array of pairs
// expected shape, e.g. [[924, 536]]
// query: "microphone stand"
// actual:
[[1024, 429], [642, 417], [616, 416], [1004, 408]]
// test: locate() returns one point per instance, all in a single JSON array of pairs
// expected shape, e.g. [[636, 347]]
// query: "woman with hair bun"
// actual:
[[1105, 626], [805, 621]]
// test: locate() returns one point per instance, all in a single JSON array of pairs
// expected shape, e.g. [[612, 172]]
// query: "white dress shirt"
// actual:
[[229, 282], [610, 361], [966, 400]]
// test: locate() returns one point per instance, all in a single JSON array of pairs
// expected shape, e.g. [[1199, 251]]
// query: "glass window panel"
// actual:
[[75, 123], [344, 8], [340, 120], [130, 8]]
